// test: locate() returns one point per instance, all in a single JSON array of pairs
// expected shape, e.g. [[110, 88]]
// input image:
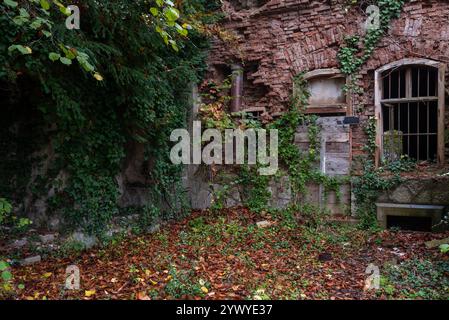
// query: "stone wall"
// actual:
[[429, 191]]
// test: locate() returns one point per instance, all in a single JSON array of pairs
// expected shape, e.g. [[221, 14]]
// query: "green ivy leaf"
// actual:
[[85, 64], [45, 4], [181, 30], [10, 3], [172, 14], [25, 50], [154, 11], [65, 61], [3, 265], [6, 275], [174, 45], [24, 13], [65, 11], [20, 48]]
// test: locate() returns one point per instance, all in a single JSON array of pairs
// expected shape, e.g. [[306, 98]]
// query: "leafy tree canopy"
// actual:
[[123, 75]]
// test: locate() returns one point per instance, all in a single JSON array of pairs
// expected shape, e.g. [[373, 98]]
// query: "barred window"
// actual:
[[410, 113], [411, 110]]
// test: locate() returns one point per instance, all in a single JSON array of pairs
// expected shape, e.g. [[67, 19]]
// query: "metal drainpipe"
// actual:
[[237, 88]]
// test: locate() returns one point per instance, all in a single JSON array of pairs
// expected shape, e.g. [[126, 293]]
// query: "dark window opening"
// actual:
[[423, 224], [410, 113]]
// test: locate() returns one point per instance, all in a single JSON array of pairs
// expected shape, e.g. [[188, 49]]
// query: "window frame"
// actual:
[[378, 94], [340, 108]]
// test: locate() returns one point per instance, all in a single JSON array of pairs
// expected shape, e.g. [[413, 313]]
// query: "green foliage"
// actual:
[[5, 210], [312, 214], [366, 190], [142, 97], [71, 248], [352, 55], [150, 215], [215, 99], [349, 62], [301, 167], [371, 131], [417, 279], [181, 284], [373, 181], [356, 51], [17, 224], [6, 280], [255, 192], [6, 274], [32, 23], [403, 164], [165, 17]]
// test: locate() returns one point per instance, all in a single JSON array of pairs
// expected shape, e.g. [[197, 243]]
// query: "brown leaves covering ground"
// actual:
[[225, 256]]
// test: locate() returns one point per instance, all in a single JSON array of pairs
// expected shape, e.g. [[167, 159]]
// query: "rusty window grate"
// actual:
[[410, 113]]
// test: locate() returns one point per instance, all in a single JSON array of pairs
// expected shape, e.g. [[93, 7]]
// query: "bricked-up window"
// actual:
[[327, 95], [410, 113], [409, 98]]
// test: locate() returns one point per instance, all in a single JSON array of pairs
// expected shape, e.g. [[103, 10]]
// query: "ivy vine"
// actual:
[[356, 49], [300, 167], [145, 65]]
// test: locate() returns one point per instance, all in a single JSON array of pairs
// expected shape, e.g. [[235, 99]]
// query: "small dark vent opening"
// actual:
[[410, 223]]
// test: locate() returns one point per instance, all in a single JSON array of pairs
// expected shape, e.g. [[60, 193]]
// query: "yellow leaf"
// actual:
[[204, 289], [98, 76], [153, 282], [47, 275], [89, 293]]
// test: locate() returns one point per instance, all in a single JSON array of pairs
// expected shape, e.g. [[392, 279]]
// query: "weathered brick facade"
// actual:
[[278, 39]]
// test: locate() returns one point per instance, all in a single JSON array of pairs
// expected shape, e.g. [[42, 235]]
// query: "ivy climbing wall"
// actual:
[[334, 161], [276, 40], [279, 39]]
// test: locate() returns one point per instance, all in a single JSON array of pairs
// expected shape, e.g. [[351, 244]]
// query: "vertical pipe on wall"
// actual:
[[441, 112], [237, 88]]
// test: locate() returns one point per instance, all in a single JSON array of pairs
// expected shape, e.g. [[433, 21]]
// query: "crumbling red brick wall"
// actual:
[[281, 38]]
